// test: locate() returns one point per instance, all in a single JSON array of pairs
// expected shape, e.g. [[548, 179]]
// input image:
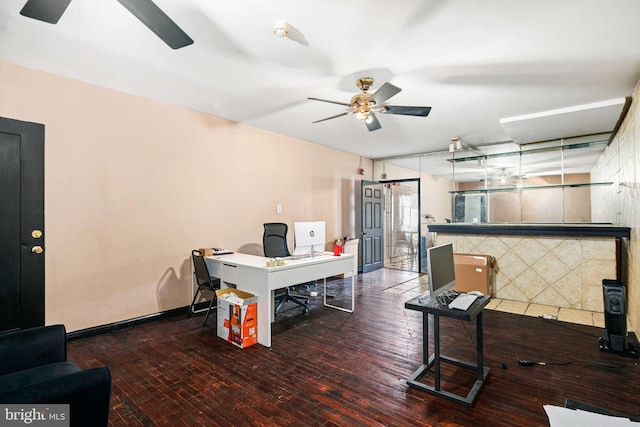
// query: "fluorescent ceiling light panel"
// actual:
[[574, 109]]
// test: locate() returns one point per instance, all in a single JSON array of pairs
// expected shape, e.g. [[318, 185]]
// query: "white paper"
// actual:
[[565, 417]]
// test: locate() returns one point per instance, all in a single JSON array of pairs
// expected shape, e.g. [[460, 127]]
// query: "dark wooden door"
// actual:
[[21, 224], [372, 226]]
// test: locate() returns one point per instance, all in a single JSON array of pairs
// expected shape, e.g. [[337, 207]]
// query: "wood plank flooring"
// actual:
[[331, 368]]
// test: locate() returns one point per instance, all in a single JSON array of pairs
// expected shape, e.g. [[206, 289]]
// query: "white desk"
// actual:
[[250, 273]]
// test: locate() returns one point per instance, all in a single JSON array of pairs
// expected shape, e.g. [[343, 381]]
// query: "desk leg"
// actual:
[[480, 345], [353, 296], [353, 289], [425, 338], [436, 350]]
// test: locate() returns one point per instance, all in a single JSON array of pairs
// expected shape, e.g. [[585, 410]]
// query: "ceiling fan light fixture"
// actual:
[[281, 28], [364, 115]]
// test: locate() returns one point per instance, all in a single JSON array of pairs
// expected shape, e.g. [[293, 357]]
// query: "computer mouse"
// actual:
[[476, 293]]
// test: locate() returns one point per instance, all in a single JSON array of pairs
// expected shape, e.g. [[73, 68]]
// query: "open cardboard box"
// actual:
[[238, 323]]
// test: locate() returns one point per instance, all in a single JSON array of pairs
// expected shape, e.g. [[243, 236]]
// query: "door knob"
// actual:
[[36, 234], [36, 249]]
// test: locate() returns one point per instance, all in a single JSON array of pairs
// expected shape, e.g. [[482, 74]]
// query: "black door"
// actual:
[[372, 226], [21, 224]]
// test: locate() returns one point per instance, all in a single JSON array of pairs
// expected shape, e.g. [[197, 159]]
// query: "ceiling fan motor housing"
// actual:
[[362, 104]]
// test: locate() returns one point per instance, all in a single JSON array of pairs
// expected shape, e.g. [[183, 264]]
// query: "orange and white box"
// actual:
[[237, 317]]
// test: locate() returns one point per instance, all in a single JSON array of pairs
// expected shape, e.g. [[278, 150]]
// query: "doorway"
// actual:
[[402, 225], [391, 231], [22, 225]]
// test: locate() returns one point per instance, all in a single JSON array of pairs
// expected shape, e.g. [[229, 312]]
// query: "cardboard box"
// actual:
[[474, 273], [206, 251], [238, 323]]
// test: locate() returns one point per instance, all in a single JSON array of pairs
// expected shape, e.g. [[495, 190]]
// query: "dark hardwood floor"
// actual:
[[331, 368]]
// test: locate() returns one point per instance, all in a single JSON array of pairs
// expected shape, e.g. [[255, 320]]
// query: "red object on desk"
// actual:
[[337, 250]]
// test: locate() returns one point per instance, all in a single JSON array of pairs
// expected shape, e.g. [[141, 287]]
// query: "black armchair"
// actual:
[[34, 370]]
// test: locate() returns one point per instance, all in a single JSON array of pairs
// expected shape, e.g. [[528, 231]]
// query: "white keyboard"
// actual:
[[463, 301]]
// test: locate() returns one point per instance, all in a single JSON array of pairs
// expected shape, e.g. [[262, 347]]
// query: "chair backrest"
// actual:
[[201, 270], [274, 239]]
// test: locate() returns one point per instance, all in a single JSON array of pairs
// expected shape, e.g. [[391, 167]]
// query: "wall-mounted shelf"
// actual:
[[537, 187], [527, 151]]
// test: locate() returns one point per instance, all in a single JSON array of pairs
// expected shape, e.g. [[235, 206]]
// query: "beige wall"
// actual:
[[620, 163], [132, 185]]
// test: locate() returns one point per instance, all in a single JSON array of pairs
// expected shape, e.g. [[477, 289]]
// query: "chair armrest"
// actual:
[[87, 392], [29, 348]]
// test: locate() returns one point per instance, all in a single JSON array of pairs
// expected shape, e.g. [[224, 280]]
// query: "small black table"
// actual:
[[433, 360]]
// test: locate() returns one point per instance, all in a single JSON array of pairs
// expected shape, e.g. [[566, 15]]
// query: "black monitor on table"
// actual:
[[440, 270]]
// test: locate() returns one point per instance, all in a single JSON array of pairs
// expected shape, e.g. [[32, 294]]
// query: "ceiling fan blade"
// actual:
[[406, 111], [158, 22], [45, 10], [372, 123], [333, 117], [332, 102], [385, 92]]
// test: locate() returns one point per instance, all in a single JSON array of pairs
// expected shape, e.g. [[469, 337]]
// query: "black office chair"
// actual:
[[205, 282], [274, 241]]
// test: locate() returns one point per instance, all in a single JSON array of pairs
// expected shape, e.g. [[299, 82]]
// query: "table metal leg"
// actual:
[[425, 338], [480, 348], [434, 360], [436, 350]]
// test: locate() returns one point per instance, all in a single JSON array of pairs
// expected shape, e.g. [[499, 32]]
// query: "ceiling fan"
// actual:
[[364, 105], [145, 10]]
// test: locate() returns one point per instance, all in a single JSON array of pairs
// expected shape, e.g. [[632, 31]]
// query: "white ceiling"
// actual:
[[474, 62]]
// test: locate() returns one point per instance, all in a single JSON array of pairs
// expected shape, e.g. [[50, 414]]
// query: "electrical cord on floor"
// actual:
[[562, 325], [524, 362]]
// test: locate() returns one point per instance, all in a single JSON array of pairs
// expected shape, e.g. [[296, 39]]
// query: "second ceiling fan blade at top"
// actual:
[[146, 11], [45, 10], [157, 21]]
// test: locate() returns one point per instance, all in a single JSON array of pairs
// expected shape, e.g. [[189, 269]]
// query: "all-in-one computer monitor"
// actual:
[[441, 271], [308, 237]]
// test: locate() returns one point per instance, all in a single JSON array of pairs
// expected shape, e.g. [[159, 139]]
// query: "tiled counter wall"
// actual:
[[620, 163], [558, 271]]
